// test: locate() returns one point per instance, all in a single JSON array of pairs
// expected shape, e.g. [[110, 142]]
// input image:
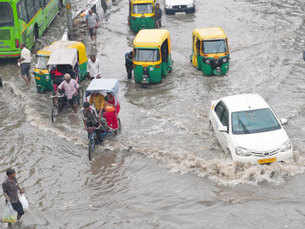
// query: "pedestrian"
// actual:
[[92, 21], [10, 190], [158, 15], [94, 67], [129, 64], [25, 63]]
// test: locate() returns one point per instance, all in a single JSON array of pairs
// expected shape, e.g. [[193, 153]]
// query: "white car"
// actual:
[[248, 129], [175, 6]]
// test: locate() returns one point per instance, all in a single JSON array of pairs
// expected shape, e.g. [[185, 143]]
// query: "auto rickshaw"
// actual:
[[41, 72], [142, 14], [152, 56], [110, 123], [211, 52]]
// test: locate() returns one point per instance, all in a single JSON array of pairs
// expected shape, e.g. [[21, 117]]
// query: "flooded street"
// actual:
[[166, 169]]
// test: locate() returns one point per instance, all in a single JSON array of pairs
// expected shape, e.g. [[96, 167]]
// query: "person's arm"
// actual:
[[85, 124], [21, 190]]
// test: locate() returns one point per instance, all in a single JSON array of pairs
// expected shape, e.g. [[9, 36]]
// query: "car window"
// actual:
[[222, 113]]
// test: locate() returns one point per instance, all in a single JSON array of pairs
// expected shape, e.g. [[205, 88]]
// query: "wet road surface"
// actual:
[[166, 169]]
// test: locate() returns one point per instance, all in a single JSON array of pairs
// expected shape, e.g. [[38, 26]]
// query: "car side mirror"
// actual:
[[223, 129], [284, 121]]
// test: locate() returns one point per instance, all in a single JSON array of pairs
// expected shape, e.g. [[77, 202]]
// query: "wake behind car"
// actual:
[[177, 6], [247, 128]]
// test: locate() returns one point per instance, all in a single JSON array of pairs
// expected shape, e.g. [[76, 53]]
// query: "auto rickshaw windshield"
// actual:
[[42, 62], [144, 8], [147, 55], [214, 46]]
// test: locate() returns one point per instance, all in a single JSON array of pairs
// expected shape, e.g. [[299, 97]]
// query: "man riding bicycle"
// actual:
[[91, 121], [70, 87]]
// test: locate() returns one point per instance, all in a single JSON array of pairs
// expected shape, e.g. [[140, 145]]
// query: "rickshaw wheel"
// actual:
[[80, 96], [117, 131], [53, 114]]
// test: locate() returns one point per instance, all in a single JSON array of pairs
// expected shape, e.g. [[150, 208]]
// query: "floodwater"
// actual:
[[166, 169]]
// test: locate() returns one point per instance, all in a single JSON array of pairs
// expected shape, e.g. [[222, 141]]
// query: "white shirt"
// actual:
[[95, 68], [26, 55]]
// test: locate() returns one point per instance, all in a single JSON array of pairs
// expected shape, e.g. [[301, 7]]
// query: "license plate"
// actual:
[[266, 160]]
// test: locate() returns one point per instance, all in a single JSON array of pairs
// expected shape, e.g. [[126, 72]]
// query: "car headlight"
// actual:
[[243, 152], [224, 60], [286, 146]]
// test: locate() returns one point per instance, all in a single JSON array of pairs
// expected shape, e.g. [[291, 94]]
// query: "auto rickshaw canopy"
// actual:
[[62, 44], [210, 33], [151, 38], [103, 86]]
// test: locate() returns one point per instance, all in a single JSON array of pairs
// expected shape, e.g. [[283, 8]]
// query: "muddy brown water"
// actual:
[[166, 169]]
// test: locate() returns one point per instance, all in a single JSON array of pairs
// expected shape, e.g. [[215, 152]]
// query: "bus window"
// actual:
[[6, 14], [22, 14], [30, 9], [36, 5]]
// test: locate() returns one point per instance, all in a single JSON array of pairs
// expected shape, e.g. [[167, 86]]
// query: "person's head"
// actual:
[[130, 54], [90, 12], [67, 77], [93, 58], [11, 173], [86, 106]]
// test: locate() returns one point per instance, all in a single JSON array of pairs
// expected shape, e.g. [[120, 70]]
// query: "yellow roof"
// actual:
[[152, 38], [46, 51], [210, 33]]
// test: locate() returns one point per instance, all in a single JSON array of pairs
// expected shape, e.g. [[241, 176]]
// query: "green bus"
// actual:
[[24, 21]]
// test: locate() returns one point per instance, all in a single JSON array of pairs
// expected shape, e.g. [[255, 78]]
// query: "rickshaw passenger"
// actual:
[[110, 115], [70, 86], [98, 100], [112, 100]]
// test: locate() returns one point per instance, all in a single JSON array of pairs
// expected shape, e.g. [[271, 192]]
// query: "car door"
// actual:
[[220, 117]]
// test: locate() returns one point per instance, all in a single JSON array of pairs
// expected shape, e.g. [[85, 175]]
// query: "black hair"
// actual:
[[86, 105], [10, 172]]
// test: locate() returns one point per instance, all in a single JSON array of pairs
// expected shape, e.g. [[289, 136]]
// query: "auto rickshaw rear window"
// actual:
[[145, 8], [6, 15], [214, 46], [42, 62], [147, 55]]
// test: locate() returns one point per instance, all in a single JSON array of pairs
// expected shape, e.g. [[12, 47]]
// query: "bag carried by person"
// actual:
[[24, 202], [9, 215]]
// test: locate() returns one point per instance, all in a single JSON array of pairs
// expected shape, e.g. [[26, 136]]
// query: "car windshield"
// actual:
[[42, 62], [147, 55], [214, 46], [143, 8], [6, 15], [254, 121]]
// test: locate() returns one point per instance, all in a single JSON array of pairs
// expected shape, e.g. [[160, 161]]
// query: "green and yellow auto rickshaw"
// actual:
[[142, 14], [152, 55], [41, 73], [211, 52]]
